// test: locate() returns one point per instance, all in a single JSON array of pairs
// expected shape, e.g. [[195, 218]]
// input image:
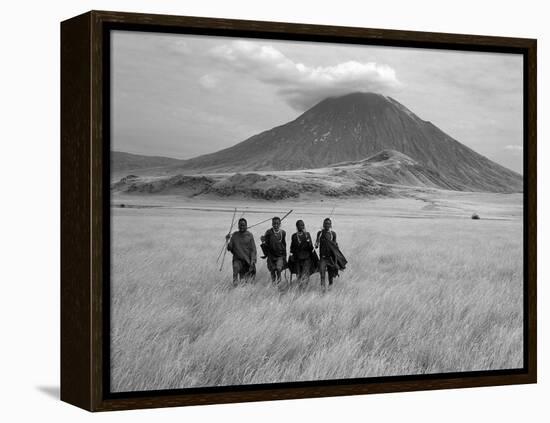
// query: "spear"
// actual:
[[284, 217], [268, 219], [224, 248], [259, 223], [330, 217], [225, 242], [332, 212]]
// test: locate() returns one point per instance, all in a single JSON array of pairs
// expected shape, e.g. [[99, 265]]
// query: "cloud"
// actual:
[[300, 85], [514, 147], [180, 46], [209, 81]]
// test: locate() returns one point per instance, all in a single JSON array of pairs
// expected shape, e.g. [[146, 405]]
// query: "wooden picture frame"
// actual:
[[84, 208]]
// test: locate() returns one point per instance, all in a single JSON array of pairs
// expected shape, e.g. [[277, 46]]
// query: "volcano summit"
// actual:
[[351, 128]]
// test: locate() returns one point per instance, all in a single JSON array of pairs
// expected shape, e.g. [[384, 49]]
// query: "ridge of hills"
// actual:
[[375, 176]]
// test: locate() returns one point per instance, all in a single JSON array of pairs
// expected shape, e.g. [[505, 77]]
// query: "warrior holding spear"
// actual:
[[241, 244]]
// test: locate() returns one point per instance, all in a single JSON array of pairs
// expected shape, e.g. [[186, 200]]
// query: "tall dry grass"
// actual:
[[419, 296]]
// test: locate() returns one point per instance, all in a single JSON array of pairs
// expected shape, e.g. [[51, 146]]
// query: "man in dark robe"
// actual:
[[331, 259], [241, 244], [301, 248], [274, 247]]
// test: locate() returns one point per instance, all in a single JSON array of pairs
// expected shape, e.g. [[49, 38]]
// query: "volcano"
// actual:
[[351, 128]]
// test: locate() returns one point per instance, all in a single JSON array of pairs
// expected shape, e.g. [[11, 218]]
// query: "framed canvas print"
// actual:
[[260, 210]]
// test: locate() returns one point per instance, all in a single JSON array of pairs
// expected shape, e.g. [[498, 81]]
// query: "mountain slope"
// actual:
[[395, 168], [121, 161], [352, 127]]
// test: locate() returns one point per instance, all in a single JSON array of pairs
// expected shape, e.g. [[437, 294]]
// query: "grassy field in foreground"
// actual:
[[419, 296]]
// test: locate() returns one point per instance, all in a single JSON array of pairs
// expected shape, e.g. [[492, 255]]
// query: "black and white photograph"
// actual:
[[295, 211]]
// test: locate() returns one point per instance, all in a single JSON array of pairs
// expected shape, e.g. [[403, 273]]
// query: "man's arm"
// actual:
[[334, 238], [230, 244], [266, 242]]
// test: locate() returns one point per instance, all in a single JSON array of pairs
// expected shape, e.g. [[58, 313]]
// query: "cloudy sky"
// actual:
[[182, 96]]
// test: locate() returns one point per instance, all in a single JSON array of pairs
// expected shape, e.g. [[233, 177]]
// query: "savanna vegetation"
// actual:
[[429, 294]]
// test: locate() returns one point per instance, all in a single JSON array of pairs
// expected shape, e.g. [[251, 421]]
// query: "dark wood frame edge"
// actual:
[[76, 234], [82, 205]]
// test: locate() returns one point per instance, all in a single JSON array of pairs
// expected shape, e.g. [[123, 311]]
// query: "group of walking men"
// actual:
[[303, 260]]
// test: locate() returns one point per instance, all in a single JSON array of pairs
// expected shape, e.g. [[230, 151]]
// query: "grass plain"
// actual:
[[427, 290]]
